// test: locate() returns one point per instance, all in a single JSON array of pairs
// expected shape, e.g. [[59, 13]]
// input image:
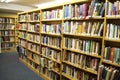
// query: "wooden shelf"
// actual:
[[44, 76], [84, 36], [8, 35], [83, 53], [110, 63], [22, 38], [34, 42], [33, 21], [79, 19], [51, 46], [67, 76], [22, 46], [112, 40], [8, 42], [51, 20], [56, 71], [22, 30], [33, 60], [51, 59], [50, 34], [112, 17], [6, 29], [86, 70], [33, 32], [38, 53]]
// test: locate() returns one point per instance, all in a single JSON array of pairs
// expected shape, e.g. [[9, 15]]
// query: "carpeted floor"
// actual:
[[12, 69]]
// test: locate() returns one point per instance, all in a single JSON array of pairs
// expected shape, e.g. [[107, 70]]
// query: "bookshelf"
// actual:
[[77, 40], [7, 34]]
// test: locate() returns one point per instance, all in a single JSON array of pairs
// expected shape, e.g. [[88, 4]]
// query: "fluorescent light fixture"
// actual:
[[6, 1]]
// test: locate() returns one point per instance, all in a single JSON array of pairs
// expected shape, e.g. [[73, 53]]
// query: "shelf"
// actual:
[[113, 17], [22, 30], [50, 34], [51, 19], [22, 38], [7, 23], [22, 21], [56, 71], [38, 53], [83, 53], [33, 60], [110, 63], [84, 36], [34, 42], [90, 71], [50, 46], [67, 76], [79, 19], [22, 46], [112, 40], [33, 32], [33, 21], [8, 35], [51, 59], [6, 29], [8, 42]]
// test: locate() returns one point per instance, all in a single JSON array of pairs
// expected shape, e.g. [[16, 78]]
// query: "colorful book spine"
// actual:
[[111, 54], [52, 29]]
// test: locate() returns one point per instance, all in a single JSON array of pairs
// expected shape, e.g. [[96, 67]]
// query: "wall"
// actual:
[[8, 14]]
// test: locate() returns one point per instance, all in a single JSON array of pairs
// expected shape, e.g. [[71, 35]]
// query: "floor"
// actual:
[[12, 69]]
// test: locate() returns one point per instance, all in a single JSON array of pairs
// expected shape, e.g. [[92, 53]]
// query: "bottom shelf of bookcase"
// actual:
[[34, 70]]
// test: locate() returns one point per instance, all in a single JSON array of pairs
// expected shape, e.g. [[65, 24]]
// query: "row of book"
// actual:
[[22, 35], [51, 53], [76, 11], [6, 45], [33, 56], [108, 73], [33, 37], [83, 61], [7, 33], [44, 62], [49, 74], [51, 41], [112, 9], [22, 42], [23, 26], [34, 47], [22, 17], [52, 14], [7, 39], [112, 54], [76, 74], [96, 9], [51, 28], [34, 16], [113, 31], [87, 46], [33, 27], [7, 20], [83, 28], [7, 26]]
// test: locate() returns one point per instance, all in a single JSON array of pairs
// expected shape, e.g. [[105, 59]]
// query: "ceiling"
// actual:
[[14, 6]]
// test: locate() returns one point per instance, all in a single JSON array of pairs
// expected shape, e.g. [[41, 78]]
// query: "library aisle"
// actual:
[[12, 69]]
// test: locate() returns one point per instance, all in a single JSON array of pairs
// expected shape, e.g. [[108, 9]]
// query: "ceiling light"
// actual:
[[6, 1]]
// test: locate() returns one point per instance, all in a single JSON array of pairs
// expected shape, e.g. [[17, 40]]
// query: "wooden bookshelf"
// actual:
[[7, 34], [71, 34]]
